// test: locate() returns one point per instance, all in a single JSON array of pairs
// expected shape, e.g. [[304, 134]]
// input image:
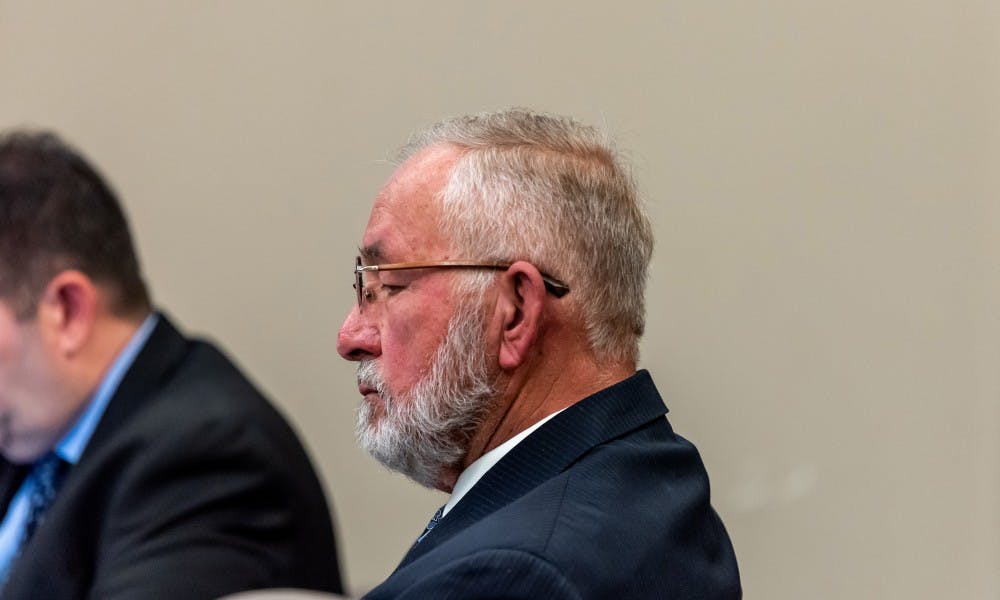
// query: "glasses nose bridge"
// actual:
[[364, 294], [364, 285]]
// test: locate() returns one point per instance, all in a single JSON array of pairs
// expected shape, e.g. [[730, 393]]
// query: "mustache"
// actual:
[[368, 374]]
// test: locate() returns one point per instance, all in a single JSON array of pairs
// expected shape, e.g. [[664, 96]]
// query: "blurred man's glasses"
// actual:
[[365, 294]]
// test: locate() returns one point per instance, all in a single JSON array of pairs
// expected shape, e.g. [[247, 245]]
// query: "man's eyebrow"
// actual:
[[372, 253]]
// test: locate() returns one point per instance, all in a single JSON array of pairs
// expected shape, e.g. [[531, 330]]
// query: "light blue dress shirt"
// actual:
[[72, 445]]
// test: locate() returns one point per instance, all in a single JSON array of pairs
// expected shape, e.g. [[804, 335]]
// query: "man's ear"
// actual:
[[67, 311], [522, 297]]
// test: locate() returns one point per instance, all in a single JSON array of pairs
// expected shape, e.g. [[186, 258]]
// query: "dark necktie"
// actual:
[[431, 524], [47, 475]]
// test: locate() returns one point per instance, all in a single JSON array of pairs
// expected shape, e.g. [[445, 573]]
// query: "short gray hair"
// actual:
[[551, 191]]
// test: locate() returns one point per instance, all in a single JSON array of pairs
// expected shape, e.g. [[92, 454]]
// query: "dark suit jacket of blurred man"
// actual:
[[567, 514], [192, 486]]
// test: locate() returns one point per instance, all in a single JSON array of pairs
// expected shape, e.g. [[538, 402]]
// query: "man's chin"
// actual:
[[371, 418], [21, 452], [371, 415], [374, 406]]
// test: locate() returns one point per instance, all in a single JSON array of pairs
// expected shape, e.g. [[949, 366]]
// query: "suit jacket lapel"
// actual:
[[550, 450]]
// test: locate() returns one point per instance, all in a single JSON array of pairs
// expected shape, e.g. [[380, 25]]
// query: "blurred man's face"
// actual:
[[33, 410], [420, 345]]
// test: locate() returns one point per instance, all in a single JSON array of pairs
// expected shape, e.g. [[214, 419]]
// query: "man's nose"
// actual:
[[358, 338]]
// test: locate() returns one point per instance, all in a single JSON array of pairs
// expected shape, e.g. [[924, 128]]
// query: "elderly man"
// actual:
[[499, 307], [137, 463]]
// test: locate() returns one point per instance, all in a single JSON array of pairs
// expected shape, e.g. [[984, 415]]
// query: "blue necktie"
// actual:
[[431, 524], [47, 475]]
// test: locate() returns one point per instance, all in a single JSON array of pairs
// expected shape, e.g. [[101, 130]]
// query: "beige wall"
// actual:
[[823, 179]]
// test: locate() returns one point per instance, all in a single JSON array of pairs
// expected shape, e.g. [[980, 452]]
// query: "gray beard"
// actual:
[[428, 429]]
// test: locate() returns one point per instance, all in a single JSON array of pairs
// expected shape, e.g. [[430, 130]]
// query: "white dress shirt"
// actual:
[[474, 472]]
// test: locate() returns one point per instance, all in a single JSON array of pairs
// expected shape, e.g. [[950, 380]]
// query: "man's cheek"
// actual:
[[405, 363]]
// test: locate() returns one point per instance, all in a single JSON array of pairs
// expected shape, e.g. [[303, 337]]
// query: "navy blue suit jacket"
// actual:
[[603, 501], [192, 486]]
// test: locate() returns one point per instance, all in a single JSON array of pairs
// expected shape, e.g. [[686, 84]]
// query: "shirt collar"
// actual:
[[71, 446], [474, 472]]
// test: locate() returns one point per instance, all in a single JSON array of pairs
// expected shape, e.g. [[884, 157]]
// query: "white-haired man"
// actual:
[[500, 289]]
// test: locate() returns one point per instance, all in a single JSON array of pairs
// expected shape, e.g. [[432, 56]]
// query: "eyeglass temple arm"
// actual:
[[553, 285], [432, 264]]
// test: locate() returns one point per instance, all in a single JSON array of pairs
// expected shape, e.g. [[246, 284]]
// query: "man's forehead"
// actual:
[[428, 166], [389, 239], [403, 221]]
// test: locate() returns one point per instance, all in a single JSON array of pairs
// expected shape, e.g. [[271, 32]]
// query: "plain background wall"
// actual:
[[823, 179]]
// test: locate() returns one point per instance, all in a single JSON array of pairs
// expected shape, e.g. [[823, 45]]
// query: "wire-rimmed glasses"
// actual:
[[552, 285]]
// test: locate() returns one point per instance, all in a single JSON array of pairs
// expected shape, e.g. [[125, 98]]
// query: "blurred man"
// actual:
[[137, 463], [499, 308]]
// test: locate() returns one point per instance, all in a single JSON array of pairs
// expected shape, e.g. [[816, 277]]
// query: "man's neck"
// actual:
[[531, 395], [111, 335], [73, 442]]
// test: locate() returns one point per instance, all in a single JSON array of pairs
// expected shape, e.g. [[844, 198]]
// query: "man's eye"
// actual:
[[392, 289]]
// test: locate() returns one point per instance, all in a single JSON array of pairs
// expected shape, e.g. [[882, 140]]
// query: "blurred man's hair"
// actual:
[[57, 213]]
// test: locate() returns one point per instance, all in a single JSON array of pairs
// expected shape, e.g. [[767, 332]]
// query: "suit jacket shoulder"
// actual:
[[603, 501]]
